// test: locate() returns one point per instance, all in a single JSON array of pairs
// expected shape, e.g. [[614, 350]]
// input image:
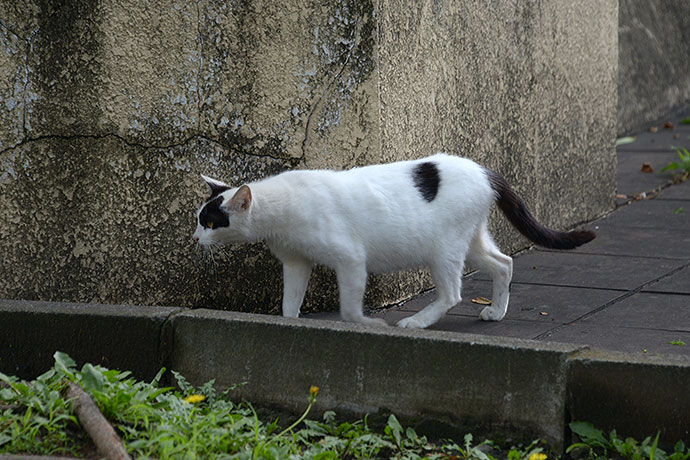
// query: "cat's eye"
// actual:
[[210, 225]]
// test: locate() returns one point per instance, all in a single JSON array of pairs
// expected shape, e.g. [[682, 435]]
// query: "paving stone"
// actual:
[[627, 339], [588, 270], [473, 325], [545, 304], [678, 283], [668, 312], [614, 239], [677, 192], [650, 214], [662, 140], [632, 181]]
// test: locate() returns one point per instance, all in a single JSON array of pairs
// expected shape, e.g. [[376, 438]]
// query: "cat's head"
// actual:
[[224, 218]]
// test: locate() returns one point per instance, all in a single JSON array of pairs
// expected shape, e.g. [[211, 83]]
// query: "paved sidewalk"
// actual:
[[628, 290]]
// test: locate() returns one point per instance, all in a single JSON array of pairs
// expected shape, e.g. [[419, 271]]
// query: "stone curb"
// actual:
[[468, 382]]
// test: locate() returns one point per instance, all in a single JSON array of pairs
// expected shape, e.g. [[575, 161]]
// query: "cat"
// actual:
[[430, 212]]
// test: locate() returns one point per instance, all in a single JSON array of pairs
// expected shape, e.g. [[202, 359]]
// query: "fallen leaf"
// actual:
[[481, 301], [668, 125], [621, 196], [676, 135], [544, 313], [653, 129], [685, 121], [679, 210], [647, 168], [678, 342]]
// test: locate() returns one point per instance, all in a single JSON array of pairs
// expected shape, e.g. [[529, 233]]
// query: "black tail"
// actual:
[[517, 213]]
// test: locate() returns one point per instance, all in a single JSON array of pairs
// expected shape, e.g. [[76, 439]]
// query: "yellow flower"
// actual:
[[313, 391], [537, 456], [193, 399]]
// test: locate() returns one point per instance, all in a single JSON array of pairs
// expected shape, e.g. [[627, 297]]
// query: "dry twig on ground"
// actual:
[[101, 432]]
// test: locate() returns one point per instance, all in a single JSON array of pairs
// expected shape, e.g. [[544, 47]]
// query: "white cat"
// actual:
[[431, 212]]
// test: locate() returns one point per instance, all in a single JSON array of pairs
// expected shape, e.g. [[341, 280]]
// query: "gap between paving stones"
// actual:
[[619, 299]]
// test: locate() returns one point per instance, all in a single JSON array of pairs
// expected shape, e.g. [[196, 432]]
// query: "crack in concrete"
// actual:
[[335, 78], [11, 30], [130, 143], [29, 44]]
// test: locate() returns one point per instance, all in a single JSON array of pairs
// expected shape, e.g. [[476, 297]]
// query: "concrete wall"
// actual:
[[654, 62], [113, 108]]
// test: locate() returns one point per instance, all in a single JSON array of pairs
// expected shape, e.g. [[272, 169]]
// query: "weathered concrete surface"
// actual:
[[113, 108], [637, 396], [116, 336], [654, 61], [526, 88], [460, 379]]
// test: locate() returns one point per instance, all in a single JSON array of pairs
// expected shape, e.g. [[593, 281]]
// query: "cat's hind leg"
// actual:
[[447, 277], [484, 255], [296, 273], [352, 281]]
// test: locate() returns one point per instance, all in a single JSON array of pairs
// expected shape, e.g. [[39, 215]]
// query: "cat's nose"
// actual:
[[195, 238]]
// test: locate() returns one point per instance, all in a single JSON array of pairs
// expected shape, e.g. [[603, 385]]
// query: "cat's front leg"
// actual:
[[352, 281], [296, 273]]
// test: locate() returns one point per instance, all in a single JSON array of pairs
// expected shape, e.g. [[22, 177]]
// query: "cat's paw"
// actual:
[[410, 323], [491, 314]]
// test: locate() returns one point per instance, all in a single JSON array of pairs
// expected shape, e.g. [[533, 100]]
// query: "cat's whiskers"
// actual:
[[212, 256], [224, 253]]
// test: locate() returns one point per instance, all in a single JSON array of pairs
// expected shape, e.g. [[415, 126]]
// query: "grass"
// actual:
[[200, 423]]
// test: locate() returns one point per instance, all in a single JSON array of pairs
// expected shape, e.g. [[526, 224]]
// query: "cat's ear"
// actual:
[[216, 187], [241, 201]]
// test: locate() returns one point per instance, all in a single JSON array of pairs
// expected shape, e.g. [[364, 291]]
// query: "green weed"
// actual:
[[198, 423], [34, 417], [595, 445], [682, 166]]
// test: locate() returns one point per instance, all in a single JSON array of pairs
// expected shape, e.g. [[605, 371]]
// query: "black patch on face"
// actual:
[[427, 179], [211, 216]]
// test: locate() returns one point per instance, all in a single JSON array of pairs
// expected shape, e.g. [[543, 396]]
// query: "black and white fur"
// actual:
[[431, 212]]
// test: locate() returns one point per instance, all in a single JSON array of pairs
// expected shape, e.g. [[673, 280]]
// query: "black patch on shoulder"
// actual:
[[211, 216], [427, 179]]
